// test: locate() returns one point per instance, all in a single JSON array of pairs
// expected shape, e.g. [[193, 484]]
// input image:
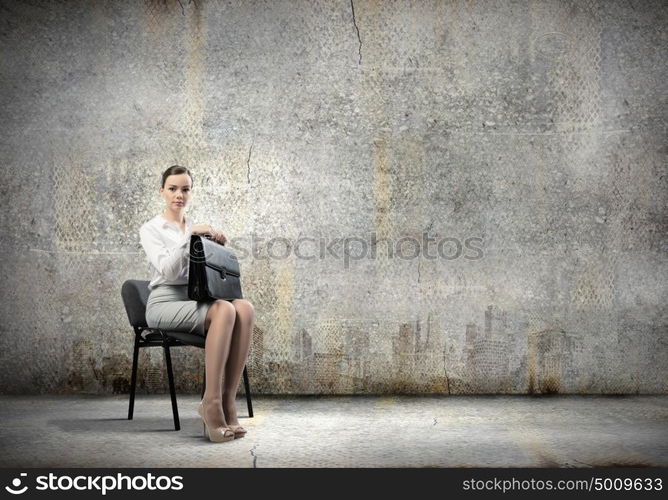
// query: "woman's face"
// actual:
[[176, 191]]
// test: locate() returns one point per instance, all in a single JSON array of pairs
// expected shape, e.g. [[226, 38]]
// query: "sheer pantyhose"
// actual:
[[229, 326]]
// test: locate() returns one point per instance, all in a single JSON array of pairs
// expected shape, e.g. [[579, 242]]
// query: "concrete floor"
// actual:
[[356, 431]]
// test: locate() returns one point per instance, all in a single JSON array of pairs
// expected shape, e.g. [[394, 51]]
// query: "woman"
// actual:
[[227, 325]]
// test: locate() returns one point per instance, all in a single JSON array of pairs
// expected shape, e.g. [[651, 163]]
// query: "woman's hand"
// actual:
[[209, 232], [218, 237]]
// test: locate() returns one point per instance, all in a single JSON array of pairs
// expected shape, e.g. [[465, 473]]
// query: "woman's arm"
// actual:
[[168, 261]]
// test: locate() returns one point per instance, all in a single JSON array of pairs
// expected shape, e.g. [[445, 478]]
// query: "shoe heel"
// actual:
[[226, 435]]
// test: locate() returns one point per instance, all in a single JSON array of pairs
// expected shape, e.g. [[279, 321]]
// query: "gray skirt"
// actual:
[[169, 308]]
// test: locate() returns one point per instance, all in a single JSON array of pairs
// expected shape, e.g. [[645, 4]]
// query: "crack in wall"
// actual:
[[250, 150], [183, 12], [352, 6], [445, 374]]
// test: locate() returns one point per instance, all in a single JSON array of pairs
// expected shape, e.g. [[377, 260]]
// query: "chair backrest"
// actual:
[[135, 294]]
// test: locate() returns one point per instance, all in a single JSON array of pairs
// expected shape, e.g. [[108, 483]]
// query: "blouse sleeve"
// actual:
[[168, 261]]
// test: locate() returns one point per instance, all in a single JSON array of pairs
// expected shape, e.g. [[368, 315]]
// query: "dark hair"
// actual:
[[176, 170]]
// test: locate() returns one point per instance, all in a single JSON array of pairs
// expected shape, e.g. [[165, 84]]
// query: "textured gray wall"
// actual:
[[534, 131]]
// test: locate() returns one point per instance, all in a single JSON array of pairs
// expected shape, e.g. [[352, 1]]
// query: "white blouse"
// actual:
[[167, 251]]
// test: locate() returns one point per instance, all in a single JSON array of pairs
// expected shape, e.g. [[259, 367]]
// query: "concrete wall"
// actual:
[[513, 153]]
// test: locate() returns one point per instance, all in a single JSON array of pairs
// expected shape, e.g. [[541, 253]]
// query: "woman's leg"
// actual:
[[239, 347], [219, 323]]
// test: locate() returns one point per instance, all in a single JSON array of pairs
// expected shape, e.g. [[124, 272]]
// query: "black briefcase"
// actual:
[[214, 271]]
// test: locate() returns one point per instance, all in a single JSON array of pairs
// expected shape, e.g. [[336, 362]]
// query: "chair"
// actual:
[[135, 294]]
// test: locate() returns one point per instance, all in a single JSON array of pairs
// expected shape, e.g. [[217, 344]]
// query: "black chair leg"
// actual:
[[170, 377], [248, 393], [133, 379]]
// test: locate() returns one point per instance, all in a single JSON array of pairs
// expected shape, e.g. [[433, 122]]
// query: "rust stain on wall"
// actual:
[[381, 178], [409, 178], [285, 291], [195, 36], [545, 361], [114, 373]]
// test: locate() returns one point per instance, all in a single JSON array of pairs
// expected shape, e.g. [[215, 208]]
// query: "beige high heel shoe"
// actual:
[[218, 434], [239, 431]]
